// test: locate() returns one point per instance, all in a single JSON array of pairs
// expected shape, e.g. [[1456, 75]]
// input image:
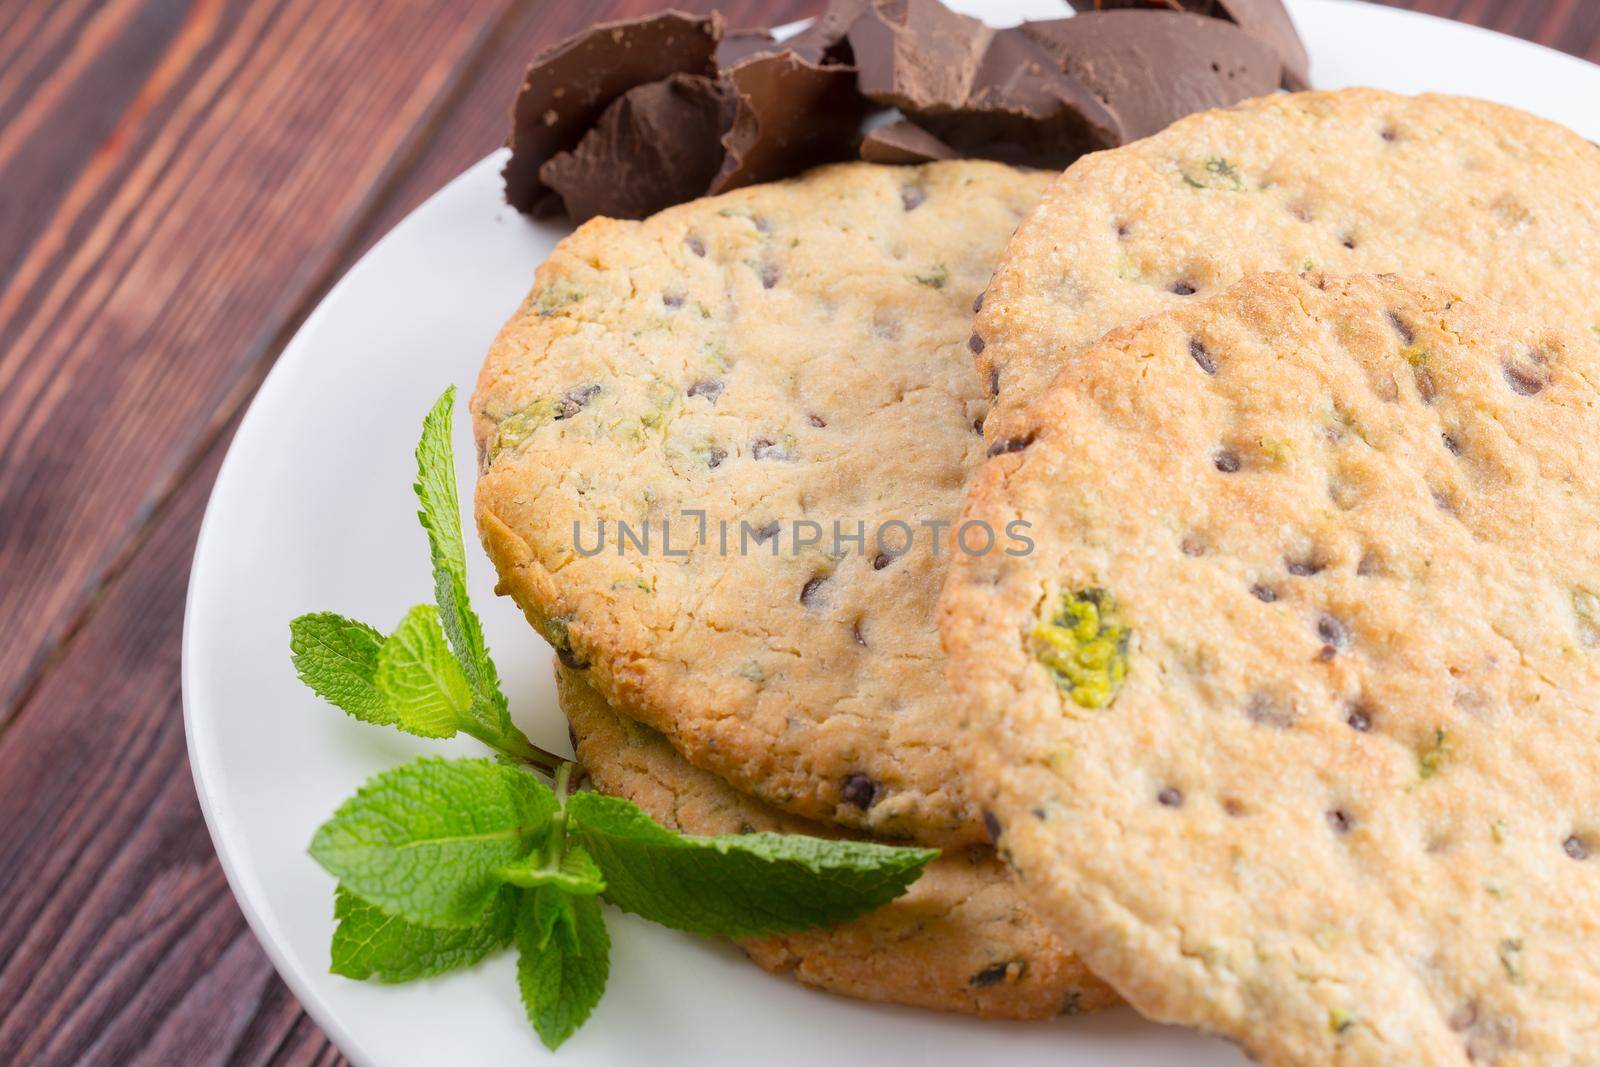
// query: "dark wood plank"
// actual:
[[167, 265], [120, 942], [119, 938], [62, 63]]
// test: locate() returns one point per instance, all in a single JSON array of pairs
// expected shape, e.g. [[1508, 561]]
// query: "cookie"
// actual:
[[720, 450], [1476, 195], [1291, 720], [960, 940]]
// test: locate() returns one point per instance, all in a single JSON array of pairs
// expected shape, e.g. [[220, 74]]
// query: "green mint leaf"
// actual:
[[370, 943], [440, 514], [338, 657], [740, 885], [553, 917], [576, 873], [423, 841], [422, 682], [563, 960]]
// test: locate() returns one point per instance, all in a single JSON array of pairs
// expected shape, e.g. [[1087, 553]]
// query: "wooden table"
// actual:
[[180, 182]]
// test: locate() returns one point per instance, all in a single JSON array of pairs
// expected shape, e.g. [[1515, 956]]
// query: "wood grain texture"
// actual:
[[172, 251], [180, 181]]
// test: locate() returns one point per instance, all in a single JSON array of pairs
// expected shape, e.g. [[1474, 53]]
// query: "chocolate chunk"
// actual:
[[1331, 631], [1340, 821], [1010, 444], [1225, 461], [1523, 382], [1359, 720], [710, 388], [903, 142], [1170, 798], [1203, 359], [859, 790], [569, 87], [811, 594], [1265, 20], [789, 115], [983, 92], [1401, 327], [1151, 68], [1574, 846], [1302, 568], [991, 975], [657, 145], [991, 827], [1183, 288], [1264, 593], [823, 42]]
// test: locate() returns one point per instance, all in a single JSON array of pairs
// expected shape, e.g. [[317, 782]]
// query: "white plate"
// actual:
[[313, 511]]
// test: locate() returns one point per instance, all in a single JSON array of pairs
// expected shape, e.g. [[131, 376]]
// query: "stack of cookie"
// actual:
[[1270, 614], [710, 444]]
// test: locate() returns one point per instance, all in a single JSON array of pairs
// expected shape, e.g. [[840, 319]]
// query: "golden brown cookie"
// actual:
[[960, 940], [1291, 721], [720, 452], [1476, 195]]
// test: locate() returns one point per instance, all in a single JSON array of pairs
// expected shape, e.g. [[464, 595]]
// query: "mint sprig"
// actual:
[[739, 885], [443, 862]]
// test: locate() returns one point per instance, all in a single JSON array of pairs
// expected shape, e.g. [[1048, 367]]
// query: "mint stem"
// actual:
[[514, 744], [556, 843]]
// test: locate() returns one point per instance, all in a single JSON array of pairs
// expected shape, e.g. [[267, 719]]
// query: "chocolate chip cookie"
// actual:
[[1291, 722], [720, 450], [960, 940], [1493, 200]]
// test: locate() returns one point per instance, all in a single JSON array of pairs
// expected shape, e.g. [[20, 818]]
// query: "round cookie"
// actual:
[[960, 939], [1482, 197], [1291, 721], [771, 390]]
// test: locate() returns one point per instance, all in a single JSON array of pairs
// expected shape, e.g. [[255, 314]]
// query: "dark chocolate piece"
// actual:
[[657, 145], [824, 41], [1153, 67], [1267, 21], [984, 92], [903, 141], [568, 87], [790, 115]]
